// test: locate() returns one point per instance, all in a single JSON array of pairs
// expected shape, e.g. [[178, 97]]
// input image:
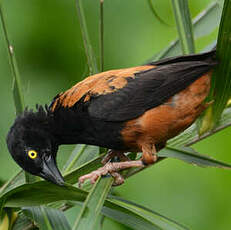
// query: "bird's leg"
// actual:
[[118, 178], [110, 167], [149, 157]]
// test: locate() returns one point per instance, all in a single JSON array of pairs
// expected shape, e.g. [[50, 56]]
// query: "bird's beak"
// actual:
[[51, 172]]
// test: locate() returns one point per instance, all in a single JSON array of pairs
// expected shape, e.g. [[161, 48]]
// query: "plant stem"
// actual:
[[101, 24], [91, 60]]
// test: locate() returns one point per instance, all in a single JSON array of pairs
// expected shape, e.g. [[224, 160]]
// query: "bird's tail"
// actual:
[[209, 57]]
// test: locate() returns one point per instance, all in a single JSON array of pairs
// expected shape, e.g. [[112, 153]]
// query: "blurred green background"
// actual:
[[50, 54]]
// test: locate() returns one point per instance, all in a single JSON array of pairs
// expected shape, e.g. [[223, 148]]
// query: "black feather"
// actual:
[[151, 88]]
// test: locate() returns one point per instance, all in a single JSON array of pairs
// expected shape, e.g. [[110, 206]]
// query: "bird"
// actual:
[[136, 109]]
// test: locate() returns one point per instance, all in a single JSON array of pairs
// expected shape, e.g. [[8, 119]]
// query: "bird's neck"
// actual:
[[70, 130]]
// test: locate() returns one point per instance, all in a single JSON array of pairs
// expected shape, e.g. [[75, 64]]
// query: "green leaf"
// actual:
[[80, 155], [17, 87], [203, 24], [91, 209], [190, 156], [12, 183], [22, 223], [47, 218], [207, 20], [158, 221], [101, 32], [128, 218], [133, 215], [40, 193], [222, 74], [184, 25]]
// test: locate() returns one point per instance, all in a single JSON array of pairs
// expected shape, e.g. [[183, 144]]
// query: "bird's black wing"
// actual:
[[150, 88]]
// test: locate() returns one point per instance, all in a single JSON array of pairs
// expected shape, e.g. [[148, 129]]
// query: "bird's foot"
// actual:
[[111, 168], [111, 156]]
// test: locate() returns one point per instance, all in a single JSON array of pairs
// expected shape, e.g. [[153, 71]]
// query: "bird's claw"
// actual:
[[106, 169], [93, 176]]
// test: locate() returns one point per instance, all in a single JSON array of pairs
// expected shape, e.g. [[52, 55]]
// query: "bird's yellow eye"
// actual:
[[32, 154]]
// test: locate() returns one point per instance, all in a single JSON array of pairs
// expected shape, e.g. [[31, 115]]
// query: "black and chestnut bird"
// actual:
[[132, 109]]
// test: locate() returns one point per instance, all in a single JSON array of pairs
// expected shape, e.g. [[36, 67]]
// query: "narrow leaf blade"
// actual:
[[205, 22], [184, 25], [222, 74], [47, 218], [91, 60], [91, 209], [190, 156], [40, 193], [160, 221]]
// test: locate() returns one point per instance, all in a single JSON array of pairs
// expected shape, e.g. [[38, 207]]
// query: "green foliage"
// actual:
[[184, 25], [47, 218], [222, 83], [42, 204]]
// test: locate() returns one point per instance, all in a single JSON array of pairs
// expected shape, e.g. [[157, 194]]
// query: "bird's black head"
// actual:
[[33, 146]]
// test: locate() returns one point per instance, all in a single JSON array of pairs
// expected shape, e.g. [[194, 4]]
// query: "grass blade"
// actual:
[[40, 193], [184, 25], [91, 60], [47, 218], [91, 209], [160, 221], [204, 23], [79, 156], [190, 156], [23, 223], [74, 157], [101, 45], [134, 216], [12, 183], [17, 87], [222, 74]]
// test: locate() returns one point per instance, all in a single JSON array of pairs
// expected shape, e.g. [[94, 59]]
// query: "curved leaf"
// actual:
[[40, 193]]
